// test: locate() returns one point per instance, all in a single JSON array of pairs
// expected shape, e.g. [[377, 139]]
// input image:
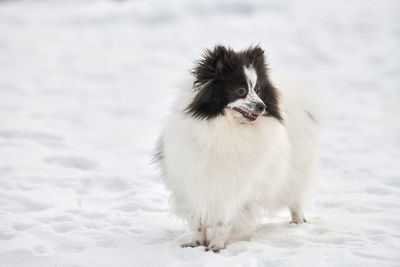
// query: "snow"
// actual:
[[84, 89]]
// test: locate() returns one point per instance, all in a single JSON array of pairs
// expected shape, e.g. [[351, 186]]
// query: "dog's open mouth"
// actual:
[[249, 116]]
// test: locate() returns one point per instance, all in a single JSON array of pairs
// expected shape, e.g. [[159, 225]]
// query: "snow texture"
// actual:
[[84, 89]]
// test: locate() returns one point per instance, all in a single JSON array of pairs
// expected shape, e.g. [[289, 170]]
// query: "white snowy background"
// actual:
[[85, 87]]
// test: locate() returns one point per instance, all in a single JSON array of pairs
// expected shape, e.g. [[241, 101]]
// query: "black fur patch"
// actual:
[[220, 72]]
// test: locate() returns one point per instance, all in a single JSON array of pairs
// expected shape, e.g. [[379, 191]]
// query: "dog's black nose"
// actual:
[[260, 107]]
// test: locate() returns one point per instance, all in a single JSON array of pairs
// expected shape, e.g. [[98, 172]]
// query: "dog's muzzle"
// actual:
[[255, 110]]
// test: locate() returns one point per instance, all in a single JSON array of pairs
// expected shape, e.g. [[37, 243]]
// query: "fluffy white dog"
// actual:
[[235, 146]]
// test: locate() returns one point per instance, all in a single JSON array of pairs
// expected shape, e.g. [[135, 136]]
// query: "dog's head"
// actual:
[[238, 81]]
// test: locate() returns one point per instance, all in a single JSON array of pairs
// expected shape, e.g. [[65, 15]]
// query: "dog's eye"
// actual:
[[241, 91], [258, 91]]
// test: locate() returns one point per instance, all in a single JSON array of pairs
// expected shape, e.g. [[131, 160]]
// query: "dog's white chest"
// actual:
[[224, 160]]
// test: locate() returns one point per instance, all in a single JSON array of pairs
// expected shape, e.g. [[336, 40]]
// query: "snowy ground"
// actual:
[[84, 88]]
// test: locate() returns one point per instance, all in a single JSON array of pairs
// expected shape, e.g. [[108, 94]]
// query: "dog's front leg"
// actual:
[[296, 212], [198, 231], [220, 235]]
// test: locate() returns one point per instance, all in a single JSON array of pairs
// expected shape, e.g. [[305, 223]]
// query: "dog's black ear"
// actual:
[[209, 99], [210, 66], [258, 51], [220, 53], [256, 54]]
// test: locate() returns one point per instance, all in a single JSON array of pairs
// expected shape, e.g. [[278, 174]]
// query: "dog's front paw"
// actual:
[[190, 244], [298, 221], [298, 217], [216, 246]]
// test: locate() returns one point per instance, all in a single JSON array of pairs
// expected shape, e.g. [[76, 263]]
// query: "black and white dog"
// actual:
[[235, 146]]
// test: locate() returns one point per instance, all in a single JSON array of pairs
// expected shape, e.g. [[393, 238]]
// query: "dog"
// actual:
[[235, 147]]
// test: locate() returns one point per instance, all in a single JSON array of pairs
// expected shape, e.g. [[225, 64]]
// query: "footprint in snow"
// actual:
[[393, 181], [108, 242], [22, 226], [39, 250], [72, 162], [64, 227], [378, 191], [4, 236], [43, 138], [69, 247]]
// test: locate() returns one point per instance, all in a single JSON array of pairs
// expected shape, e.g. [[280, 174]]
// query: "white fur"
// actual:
[[223, 174], [251, 77]]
